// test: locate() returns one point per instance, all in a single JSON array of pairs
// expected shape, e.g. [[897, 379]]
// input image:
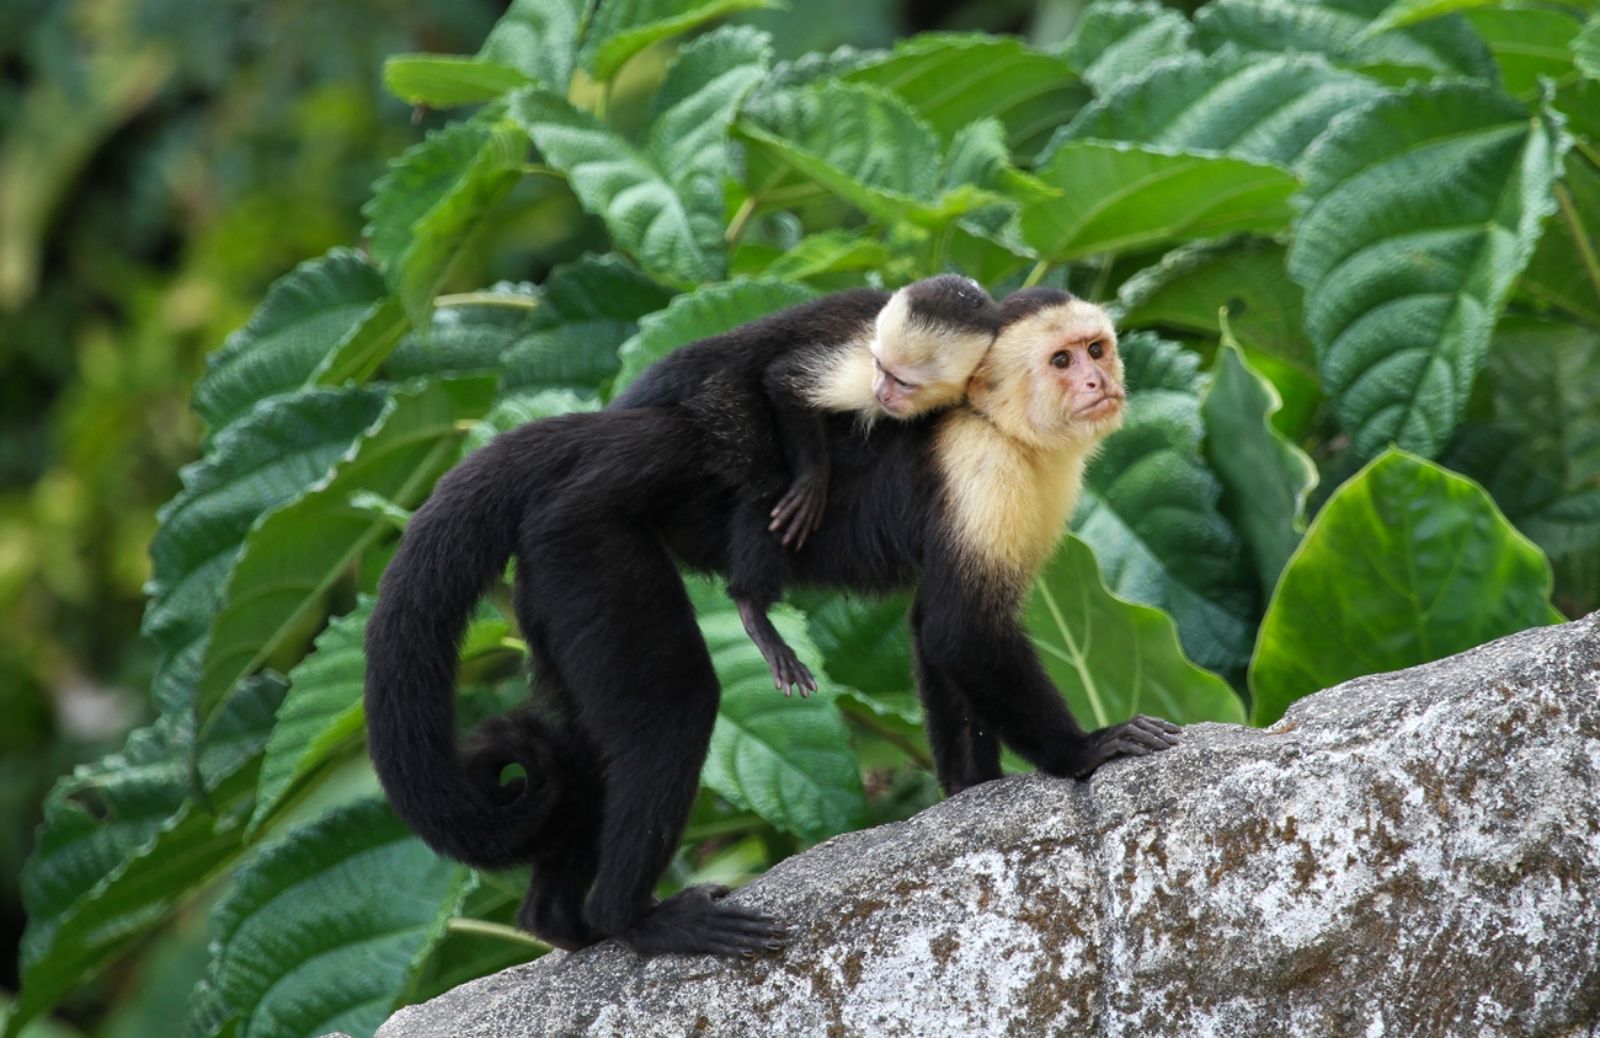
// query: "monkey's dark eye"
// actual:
[[1061, 359], [1097, 349]]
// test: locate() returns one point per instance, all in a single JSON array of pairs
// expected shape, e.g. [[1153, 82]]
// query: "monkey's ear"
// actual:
[[979, 387]]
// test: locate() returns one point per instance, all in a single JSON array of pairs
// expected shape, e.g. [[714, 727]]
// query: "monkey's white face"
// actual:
[[916, 366], [1055, 376]]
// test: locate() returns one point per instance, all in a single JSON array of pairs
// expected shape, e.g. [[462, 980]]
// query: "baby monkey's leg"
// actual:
[[756, 572]]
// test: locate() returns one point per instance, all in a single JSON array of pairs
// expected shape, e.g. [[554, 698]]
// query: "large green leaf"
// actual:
[[1528, 42], [426, 208], [292, 557], [622, 28], [816, 256], [306, 314], [1120, 198], [1538, 453], [669, 219], [1265, 477], [124, 843], [255, 465], [589, 308], [1564, 272], [538, 38], [1586, 49], [1244, 277], [1337, 29], [475, 334], [953, 79], [860, 143], [445, 80], [1116, 39], [865, 642], [787, 759], [1406, 563], [707, 311], [1420, 210], [1268, 109], [1150, 510], [322, 714], [1113, 659], [328, 930]]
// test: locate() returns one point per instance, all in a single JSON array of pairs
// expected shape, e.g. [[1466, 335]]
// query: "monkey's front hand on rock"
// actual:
[[1138, 737]]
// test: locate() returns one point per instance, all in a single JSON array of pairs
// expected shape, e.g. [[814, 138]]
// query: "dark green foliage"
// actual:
[[1337, 246]]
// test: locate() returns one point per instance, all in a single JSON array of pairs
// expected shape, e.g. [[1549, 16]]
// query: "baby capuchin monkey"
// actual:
[[761, 394]]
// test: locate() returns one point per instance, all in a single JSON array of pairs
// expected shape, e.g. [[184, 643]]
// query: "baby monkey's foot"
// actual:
[[799, 513]]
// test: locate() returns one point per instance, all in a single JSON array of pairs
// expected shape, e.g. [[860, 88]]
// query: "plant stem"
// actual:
[[1037, 274], [510, 302], [1580, 235], [483, 928], [741, 220], [859, 717], [1102, 278], [534, 169]]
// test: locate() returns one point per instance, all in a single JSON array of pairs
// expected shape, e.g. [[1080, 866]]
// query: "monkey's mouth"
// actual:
[[1102, 406]]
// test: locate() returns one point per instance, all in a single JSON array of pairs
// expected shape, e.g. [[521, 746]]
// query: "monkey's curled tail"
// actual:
[[454, 546]]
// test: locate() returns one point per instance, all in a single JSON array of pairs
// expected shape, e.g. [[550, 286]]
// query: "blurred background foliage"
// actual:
[[161, 162]]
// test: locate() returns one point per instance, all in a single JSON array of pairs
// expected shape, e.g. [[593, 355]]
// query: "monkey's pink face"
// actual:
[[1086, 374]]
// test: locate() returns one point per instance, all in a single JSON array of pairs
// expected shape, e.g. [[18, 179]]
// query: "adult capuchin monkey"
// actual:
[[967, 504]]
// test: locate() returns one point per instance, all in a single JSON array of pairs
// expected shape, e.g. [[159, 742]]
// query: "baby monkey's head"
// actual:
[[927, 342]]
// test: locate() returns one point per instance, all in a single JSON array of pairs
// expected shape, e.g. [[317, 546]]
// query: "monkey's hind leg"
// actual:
[[756, 573], [622, 635]]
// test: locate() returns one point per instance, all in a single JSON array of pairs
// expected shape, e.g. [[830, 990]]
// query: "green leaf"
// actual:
[[1419, 212], [829, 252], [706, 59], [1119, 198], [124, 844], [1265, 477], [1406, 563], [1122, 38], [707, 311], [322, 715], [252, 467], [425, 209], [1337, 29], [787, 759], [1528, 42], [1267, 109], [1586, 49], [622, 28], [672, 234], [1401, 13], [1150, 510], [589, 309], [862, 144], [1538, 452], [293, 556], [538, 38], [304, 318], [1111, 658], [472, 336], [445, 80], [865, 642], [953, 79], [524, 407], [1192, 284], [328, 930], [1564, 272]]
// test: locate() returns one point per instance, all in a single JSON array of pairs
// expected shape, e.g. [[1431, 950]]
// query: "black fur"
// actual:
[[598, 509], [745, 392], [952, 301]]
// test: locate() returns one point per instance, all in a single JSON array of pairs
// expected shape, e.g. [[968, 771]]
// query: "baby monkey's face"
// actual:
[[927, 342]]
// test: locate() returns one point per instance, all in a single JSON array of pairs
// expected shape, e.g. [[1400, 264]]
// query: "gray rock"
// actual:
[[1415, 853]]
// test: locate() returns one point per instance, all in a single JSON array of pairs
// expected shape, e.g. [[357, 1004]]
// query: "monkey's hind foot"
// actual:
[[799, 513], [788, 673], [697, 921], [1138, 737]]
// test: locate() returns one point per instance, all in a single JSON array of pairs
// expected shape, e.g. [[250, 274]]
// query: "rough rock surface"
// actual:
[[1415, 853]]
